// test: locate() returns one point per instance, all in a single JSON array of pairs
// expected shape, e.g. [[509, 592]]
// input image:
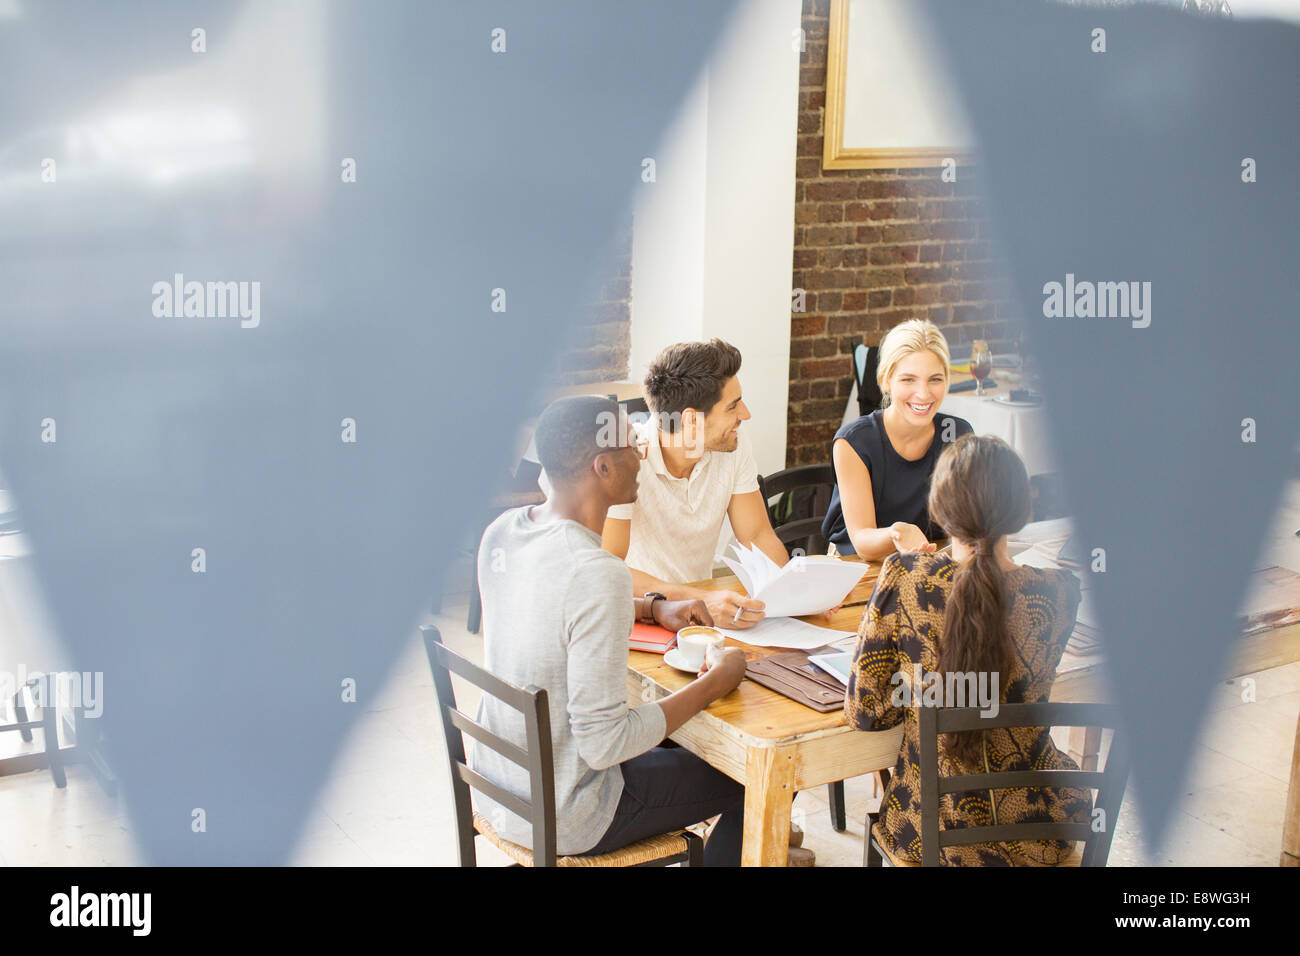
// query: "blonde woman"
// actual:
[[883, 461]]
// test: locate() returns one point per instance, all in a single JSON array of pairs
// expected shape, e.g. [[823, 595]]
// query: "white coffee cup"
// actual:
[[694, 642]]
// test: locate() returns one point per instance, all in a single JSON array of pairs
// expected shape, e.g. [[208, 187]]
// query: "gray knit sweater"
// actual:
[[557, 612]]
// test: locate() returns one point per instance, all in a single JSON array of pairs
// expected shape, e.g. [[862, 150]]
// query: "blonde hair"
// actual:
[[908, 338]]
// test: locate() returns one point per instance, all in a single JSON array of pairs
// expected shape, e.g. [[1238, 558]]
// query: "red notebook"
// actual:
[[651, 637]]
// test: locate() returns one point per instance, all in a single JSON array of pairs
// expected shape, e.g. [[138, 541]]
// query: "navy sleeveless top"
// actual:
[[898, 486]]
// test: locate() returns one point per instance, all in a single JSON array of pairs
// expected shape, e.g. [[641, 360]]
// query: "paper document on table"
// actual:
[[1037, 556], [808, 584], [1048, 536], [786, 632], [848, 644]]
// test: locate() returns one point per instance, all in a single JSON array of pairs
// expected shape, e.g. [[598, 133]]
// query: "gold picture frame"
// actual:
[[835, 155]]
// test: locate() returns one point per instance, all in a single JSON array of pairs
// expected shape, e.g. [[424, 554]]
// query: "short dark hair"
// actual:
[[689, 375], [568, 435]]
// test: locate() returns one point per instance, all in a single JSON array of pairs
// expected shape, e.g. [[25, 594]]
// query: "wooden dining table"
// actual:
[[771, 744], [777, 747]]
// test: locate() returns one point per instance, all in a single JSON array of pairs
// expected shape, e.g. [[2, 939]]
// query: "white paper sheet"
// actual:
[[806, 585], [847, 644], [1037, 557], [1048, 536], [787, 632]]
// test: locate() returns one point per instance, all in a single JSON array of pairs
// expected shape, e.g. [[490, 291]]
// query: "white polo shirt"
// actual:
[[676, 521]]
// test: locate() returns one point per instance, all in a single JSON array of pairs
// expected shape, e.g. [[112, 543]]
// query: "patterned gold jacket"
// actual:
[[902, 628]]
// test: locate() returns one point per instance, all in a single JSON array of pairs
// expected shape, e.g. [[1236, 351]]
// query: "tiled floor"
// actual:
[[389, 800]]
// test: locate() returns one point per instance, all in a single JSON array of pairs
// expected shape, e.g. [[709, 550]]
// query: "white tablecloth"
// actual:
[[1024, 429]]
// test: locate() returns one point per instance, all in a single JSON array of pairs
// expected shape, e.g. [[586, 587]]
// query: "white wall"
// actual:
[[713, 240], [668, 239]]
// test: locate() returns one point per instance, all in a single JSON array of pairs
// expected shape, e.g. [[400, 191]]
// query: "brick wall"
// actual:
[[599, 349], [873, 247]]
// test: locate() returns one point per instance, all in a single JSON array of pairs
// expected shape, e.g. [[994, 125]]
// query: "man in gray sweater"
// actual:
[[557, 612]]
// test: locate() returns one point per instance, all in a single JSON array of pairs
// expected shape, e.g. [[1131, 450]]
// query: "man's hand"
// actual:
[[733, 610], [908, 537], [726, 665], [675, 615]]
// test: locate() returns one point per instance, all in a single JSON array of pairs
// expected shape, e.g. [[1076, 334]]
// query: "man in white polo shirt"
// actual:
[[699, 469]]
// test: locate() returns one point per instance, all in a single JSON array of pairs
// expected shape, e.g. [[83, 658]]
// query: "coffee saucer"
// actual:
[[674, 660]]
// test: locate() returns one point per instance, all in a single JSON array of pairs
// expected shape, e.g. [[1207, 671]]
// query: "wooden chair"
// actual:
[[804, 531], [636, 409], [48, 724], [866, 359], [676, 847], [1108, 783]]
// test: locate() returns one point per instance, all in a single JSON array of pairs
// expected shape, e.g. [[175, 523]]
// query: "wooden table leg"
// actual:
[[1291, 822], [769, 791], [1085, 746]]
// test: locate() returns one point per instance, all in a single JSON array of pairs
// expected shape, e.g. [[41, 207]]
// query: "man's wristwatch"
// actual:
[[651, 597]]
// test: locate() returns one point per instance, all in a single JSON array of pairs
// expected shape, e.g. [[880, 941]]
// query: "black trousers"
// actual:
[[669, 788]]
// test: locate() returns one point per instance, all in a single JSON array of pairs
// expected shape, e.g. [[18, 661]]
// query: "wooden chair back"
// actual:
[[536, 757], [804, 531], [1109, 783], [866, 360]]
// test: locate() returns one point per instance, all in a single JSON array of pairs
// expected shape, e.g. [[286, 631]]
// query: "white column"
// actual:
[[713, 238]]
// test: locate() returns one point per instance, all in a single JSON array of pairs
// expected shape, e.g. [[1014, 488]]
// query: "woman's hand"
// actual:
[[908, 537]]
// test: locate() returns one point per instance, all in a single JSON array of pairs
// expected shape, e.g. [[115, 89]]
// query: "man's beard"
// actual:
[[728, 442]]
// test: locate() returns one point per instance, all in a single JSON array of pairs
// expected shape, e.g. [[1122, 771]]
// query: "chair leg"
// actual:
[[475, 602], [468, 846], [20, 712], [50, 729], [835, 796], [870, 853], [694, 849]]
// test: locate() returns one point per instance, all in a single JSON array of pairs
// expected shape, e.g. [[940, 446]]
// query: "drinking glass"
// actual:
[[981, 363]]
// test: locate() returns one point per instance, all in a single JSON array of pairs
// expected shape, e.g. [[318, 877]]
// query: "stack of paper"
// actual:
[[787, 632], [806, 585]]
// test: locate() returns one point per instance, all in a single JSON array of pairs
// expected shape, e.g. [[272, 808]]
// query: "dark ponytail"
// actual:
[[979, 492]]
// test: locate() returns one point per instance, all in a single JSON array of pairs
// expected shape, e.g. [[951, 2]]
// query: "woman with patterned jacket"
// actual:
[[974, 612]]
